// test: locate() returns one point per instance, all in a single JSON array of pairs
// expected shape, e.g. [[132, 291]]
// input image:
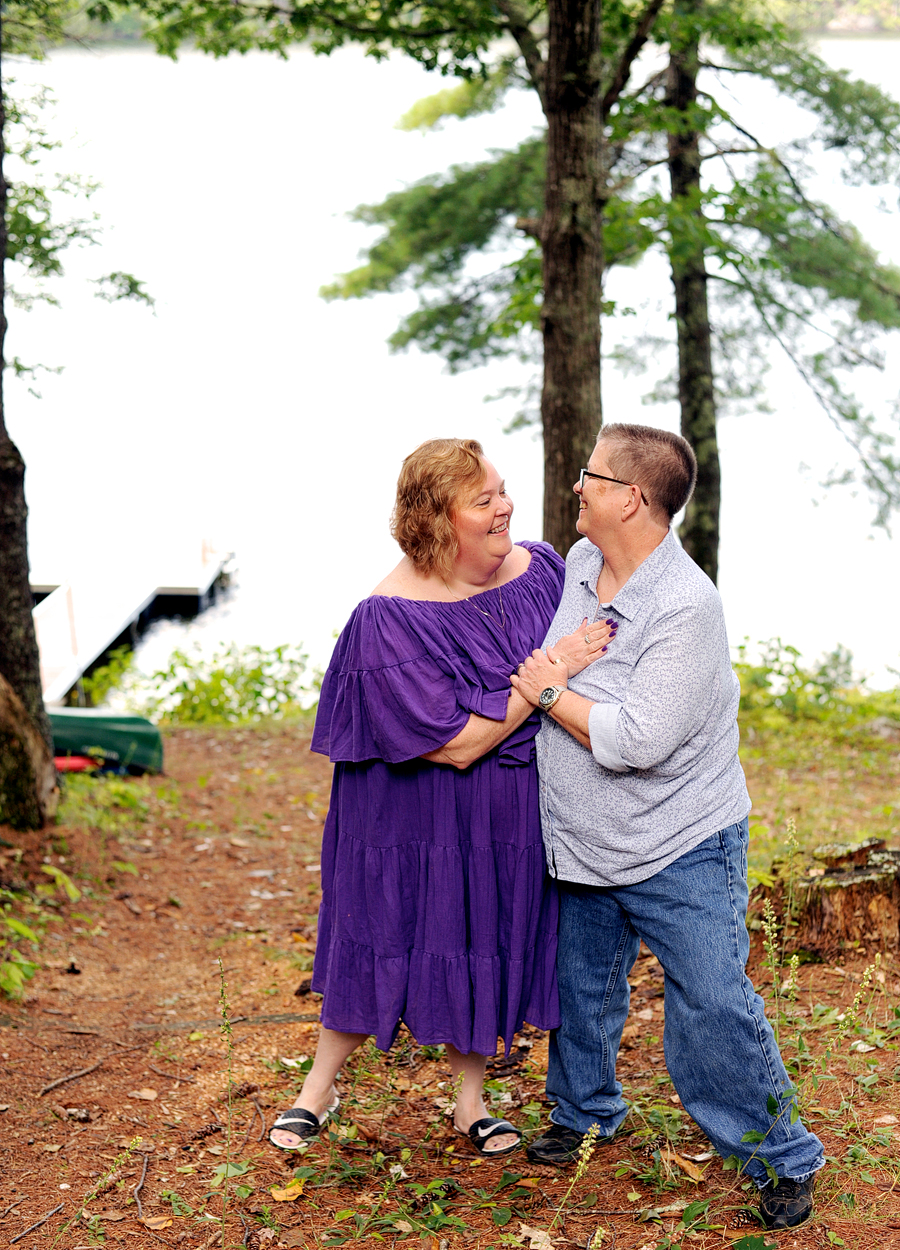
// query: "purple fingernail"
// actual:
[[603, 648], [609, 621]]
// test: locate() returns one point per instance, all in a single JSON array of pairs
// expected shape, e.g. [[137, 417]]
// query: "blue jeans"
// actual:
[[719, 1046]]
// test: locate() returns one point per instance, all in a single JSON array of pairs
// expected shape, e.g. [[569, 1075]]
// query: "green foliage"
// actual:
[[434, 226], [178, 1204], [37, 237], [118, 285], [777, 689], [35, 240], [106, 803], [15, 968], [233, 686], [61, 881], [31, 26], [433, 229], [783, 267], [451, 36], [102, 680], [470, 98], [754, 1241]]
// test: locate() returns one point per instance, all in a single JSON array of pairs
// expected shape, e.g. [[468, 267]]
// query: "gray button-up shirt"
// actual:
[[663, 772]]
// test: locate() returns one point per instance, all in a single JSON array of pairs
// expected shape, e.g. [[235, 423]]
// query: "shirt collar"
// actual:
[[629, 599]]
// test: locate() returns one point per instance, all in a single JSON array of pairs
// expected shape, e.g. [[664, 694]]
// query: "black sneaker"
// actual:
[[786, 1204], [559, 1145]]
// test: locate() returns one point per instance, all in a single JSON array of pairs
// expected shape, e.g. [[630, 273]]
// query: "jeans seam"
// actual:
[[611, 981], [735, 919]]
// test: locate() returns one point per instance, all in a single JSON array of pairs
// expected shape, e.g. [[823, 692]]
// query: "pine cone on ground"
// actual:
[[200, 1134], [241, 1091], [743, 1219]]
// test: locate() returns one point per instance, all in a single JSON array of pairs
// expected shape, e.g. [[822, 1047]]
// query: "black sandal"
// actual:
[[480, 1133], [301, 1122]]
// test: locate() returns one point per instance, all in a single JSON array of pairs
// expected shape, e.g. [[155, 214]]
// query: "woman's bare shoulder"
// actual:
[[515, 563], [403, 582]]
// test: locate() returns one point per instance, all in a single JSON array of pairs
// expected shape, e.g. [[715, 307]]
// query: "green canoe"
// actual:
[[122, 740]]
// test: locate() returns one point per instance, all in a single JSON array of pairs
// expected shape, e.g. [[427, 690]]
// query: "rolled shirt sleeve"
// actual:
[[602, 720]]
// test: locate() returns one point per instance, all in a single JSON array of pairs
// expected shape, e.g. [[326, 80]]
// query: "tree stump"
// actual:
[[848, 896], [28, 788]]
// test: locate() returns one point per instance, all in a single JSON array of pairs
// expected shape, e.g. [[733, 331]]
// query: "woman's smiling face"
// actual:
[[482, 518]]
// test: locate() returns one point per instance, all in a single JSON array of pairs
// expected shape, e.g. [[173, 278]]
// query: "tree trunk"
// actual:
[[851, 898], [699, 531], [20, 806], [28, 789], [572, 259]]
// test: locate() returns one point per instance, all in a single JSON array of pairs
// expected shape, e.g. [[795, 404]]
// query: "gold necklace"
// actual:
[[468, 599]]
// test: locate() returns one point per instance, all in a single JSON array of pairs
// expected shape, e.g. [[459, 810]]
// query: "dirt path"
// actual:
[[118, 1056]]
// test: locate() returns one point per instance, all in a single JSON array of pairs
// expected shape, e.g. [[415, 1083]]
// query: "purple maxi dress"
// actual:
[[436, 908]]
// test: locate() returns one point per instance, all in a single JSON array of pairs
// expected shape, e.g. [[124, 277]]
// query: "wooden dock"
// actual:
[[81, 617]]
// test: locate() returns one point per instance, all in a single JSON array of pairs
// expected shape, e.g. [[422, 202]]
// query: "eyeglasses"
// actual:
[[603, 478]]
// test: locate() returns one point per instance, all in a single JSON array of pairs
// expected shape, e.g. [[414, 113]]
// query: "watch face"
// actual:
[[548, 697]]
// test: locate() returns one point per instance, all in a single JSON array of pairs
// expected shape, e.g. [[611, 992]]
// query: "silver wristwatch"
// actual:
[[550, 697]]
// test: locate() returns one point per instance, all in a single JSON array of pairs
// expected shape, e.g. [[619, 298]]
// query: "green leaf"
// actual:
[[62, 881], [772, 1105], [754, 1241], [501, 1216], [19, 927], [754, 1137], [694, 1210], [224, 1171], [121, 865]]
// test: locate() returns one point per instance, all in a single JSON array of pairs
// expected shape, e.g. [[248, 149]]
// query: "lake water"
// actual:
[[247, 410]]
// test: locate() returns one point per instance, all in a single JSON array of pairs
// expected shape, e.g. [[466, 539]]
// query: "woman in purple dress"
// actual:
[[436, 909]]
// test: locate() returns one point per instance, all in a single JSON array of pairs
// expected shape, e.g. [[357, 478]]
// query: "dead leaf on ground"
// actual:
[[290, 1193], [51, 1148], [296, 1237], [156, 1222], [537, 1238], [885, 1119], [110, 1217], [148, 1095], [672, 1156]]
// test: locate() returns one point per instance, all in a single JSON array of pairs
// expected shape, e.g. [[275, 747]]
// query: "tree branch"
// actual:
[[638, 39], [528, 45], [808, 378], [530, 226]]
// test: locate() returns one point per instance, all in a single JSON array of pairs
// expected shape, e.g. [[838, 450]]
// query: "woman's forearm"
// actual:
[[480, 735], [572, 711]]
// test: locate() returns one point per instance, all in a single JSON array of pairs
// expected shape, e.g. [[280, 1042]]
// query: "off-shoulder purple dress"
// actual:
[[436, 908]]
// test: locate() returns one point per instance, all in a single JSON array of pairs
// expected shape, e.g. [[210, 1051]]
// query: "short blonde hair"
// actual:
[[428, 491]]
